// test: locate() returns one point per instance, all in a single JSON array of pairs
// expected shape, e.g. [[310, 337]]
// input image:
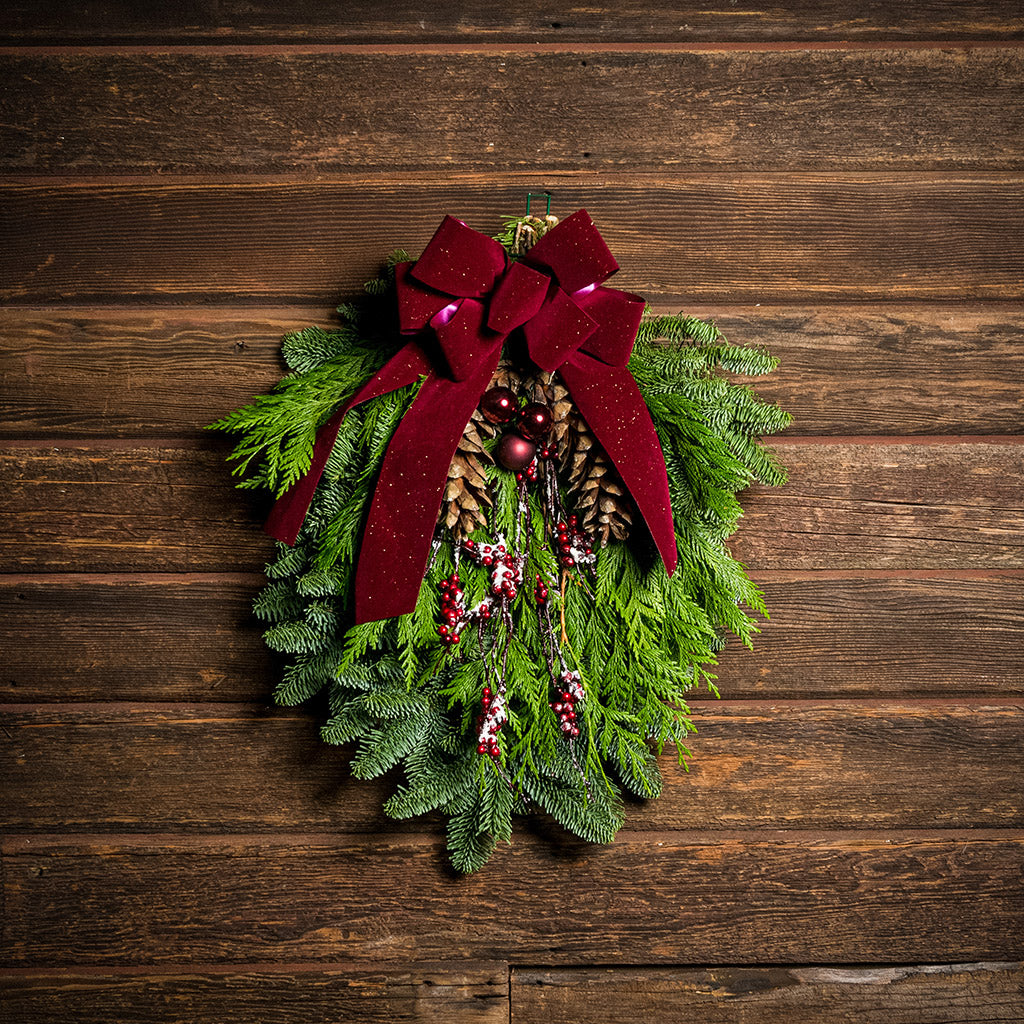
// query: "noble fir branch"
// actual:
[[682, 343]]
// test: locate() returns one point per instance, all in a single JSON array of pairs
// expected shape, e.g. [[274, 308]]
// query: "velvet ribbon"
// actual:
[[460, 301]]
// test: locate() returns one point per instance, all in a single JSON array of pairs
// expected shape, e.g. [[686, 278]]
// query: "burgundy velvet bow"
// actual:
[[464, 293]]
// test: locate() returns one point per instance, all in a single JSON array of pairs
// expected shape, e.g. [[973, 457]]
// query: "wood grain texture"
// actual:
[[962, 993], [143, 639], [150, 639], [680, 239], [196, 640], [651, 898], [876, 370], [404, 21], [461, 994], [888, 506], [149, 509], [836, 637], [114, 113], [247, 769], [846, 506]]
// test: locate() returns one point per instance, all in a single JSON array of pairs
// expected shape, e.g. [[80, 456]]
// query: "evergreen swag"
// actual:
[[559, 697]]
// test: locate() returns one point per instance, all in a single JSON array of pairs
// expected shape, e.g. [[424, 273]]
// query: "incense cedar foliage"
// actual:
[[640, 639]]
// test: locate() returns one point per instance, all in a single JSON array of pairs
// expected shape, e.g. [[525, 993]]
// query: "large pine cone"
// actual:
[[466, 495], [606, 509]]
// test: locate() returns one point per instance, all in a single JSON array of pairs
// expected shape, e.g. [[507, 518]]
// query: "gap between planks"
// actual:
[[608, 179], [200, 440], [249, 708], [234, 49], [14, 844], [307, 311], [261, 967], [14, 579]]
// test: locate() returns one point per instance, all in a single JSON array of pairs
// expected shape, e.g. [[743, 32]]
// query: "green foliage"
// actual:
[[641, 640], [278, 430]]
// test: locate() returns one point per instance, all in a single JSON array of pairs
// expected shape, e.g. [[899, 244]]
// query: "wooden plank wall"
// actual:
[[183, 183]]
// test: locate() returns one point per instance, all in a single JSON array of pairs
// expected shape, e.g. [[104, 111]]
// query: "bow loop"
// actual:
[[460, 261], [417, 304], [464, 337], [574, 253], [558, 330]]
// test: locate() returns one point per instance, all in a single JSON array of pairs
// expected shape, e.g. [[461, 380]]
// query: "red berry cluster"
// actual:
[[506, 568], [565, 705], [453, 609], [489, 722], [454, 612], [531, 474], [574, 546], [540, 591]]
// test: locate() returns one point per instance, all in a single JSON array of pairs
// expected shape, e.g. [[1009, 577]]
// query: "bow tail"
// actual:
[[399, 530], [610, 401], [289, 511]]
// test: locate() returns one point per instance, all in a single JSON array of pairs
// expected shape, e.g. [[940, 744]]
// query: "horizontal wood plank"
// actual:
[[247, 769], [144, 639], [197, 640], [461, 994], [95, 372], [835, 637], [884, 506], [966, 993], [681, 240], [888, 506], [652, 898], [188, 113], [150, 509], [530, 21]]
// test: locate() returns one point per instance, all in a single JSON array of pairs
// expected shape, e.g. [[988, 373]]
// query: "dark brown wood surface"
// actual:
[[966, 993], [716, 110], [844, 186], [846, 506], [463, 994], [785, 764], [405, 21], [116, 372], [650, 897], [193, 638], [682, 239]]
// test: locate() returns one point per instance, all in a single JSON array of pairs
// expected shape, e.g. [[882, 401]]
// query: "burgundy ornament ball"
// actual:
[[515, 452], [499, 405], [534, 421]]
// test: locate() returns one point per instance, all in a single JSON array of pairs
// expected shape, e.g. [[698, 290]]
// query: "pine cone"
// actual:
[[466, 494], [529, 231], [605, 507]]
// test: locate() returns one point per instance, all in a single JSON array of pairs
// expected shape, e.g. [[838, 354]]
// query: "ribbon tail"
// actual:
[[610, 401], [289, 511], [399, 530]]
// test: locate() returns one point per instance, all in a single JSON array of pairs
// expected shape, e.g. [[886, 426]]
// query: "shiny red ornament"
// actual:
[[499, 405], [534, 421], [515, 452]]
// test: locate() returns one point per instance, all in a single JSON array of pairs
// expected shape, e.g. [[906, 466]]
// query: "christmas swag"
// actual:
[[501, 538]]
